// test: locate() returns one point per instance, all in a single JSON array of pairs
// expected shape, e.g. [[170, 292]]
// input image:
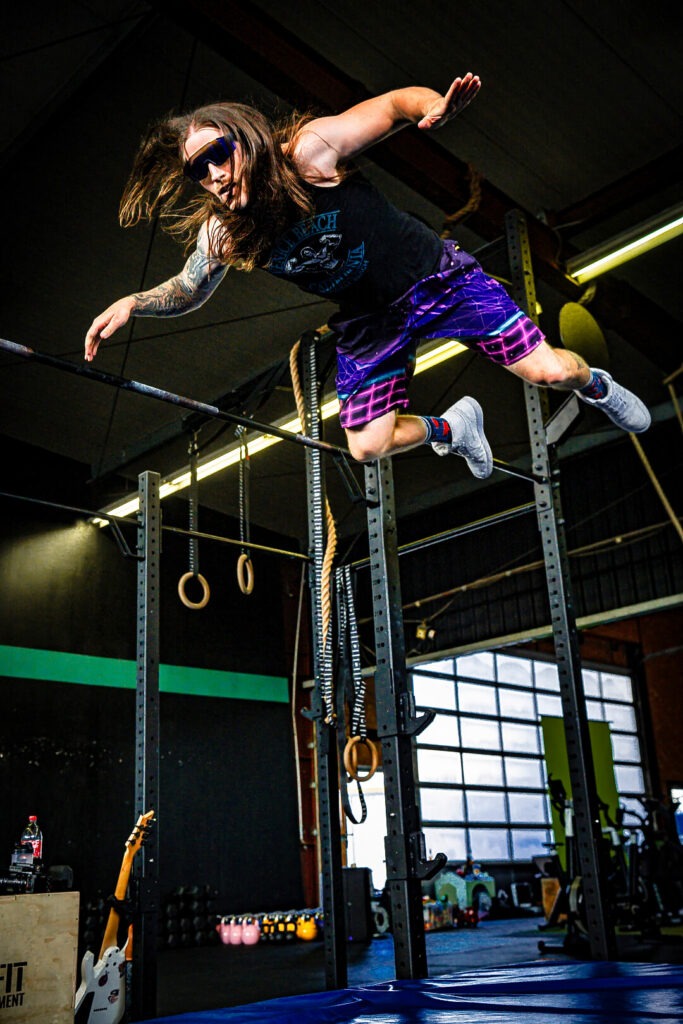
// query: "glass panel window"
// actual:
[[546, 676], [450, 841], [493, 788], [523, 771], [480, 732], [527, 807], [482, 770], [489, 843], [438, 766], [621, 717], [591, 683], [477, 698], [548, 705], [434, 693], [528, 843], [514, 670], [616, 687], [441, 804], [594, 710], [445, 667], [479, 666], [482, 806], [629, 780], [442, 732], [516, 704], [625, 748], [520, 737]]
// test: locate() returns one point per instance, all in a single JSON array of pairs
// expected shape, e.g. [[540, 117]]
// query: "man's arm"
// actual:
[[327, 141], [188, 290]]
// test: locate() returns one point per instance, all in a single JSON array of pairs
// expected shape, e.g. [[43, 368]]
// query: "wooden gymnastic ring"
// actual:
[[244, 564], [351, 758], [183, 596]]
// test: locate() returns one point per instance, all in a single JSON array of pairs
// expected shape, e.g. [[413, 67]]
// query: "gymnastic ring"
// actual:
[[183, 596], [246, 585], [351, 758]]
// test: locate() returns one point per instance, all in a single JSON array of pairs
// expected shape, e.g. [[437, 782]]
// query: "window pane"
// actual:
[[620, 717], [486, 807], [516, 704], [480, 732], [474, 697], [489, 843], [548, 705], [520, 737], [625, 748], [443, 732], [594, 710], [634, 811], [546, 676], [450, 841], [629, 780], [438, 766], [434, 693], [441, 804], [527, 807], [482, 770], [616, 687], [528, 843], [480, 666], [445, 666], [522, 771], [591, 683], [514, 670]]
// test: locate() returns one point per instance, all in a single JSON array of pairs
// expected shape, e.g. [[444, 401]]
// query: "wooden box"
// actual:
[[38, 948]]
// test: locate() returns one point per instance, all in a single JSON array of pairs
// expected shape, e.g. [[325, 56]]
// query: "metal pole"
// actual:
[[587, 824], [146, 865], [125, 384], [407, 865], [327, 781]]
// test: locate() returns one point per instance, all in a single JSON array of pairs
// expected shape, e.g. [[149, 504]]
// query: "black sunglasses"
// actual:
[[215, 152]]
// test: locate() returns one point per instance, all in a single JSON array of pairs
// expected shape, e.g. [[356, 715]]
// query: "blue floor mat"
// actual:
[[533, 993]]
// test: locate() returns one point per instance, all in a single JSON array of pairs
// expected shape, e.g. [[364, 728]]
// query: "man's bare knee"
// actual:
[[365, 449]]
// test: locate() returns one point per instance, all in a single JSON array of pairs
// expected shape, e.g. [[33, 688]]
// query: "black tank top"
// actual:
[[357, 249]]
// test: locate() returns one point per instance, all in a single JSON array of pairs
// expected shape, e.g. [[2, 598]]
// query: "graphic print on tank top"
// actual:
[[312, 253]]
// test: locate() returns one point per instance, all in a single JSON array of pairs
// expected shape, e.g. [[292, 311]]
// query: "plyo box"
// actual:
[[38, 948]]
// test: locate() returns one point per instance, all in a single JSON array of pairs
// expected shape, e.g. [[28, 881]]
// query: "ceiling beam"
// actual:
[[253, 41], [659, 174]]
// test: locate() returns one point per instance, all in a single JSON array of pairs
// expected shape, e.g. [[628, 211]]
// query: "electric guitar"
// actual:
[[101, 995]]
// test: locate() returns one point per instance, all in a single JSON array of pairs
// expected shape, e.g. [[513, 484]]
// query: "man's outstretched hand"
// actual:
[[460, 94]]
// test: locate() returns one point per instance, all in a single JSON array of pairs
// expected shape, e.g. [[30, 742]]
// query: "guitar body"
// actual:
[[101, 995]]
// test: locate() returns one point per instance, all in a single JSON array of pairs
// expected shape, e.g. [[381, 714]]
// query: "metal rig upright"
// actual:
[[587, 825]]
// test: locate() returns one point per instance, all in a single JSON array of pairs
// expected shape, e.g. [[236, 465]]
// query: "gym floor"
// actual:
[[218, 976]]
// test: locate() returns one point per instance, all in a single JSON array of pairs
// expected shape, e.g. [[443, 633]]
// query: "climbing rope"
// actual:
[[474, 178]]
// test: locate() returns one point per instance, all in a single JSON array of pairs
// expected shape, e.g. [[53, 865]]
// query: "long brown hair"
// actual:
[[275, 188]]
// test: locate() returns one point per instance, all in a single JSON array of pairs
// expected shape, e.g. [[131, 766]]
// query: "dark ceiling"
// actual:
[[578, 123]]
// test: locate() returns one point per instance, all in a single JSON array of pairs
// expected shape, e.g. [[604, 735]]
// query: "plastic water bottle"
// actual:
[[34, 836]]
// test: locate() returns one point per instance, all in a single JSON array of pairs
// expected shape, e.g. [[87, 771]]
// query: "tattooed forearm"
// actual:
[[187, 291]]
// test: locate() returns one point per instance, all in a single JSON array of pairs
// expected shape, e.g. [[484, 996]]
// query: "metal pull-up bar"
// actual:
[[125, 384]]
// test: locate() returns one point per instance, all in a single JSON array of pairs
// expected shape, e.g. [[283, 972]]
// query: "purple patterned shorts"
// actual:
[[376, 353]]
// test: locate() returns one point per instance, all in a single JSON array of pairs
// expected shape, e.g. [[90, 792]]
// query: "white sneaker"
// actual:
[[468, 439], [622, 406]]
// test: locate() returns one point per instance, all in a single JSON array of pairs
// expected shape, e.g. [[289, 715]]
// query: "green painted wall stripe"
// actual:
[[61, 667]]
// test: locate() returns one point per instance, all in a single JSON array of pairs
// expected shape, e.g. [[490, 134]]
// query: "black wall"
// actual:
[[228, 814]]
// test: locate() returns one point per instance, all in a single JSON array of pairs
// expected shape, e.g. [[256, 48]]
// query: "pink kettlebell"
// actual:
[[251, 933], [235, 931], [223, 929]]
